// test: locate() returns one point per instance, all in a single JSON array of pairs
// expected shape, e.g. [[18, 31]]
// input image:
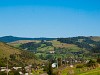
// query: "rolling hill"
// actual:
[[16, 56], [95, 38], [73, 46], [6, 50]]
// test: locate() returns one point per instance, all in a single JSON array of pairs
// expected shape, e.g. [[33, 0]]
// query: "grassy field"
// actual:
[[62, 45], [96, 38], [17, 43], [6, 50], [55, 43], [92, 72], [77, 71]]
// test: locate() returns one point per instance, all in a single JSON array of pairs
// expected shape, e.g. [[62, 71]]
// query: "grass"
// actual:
[[6, 50], [47, 48], [61, 45], [96, 38], [17, 43], [55, 43], [77, 71], [92, 72]]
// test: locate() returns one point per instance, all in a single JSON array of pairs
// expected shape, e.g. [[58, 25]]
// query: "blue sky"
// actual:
[[50, 18]]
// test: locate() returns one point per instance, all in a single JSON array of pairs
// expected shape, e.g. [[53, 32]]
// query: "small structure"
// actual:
[[52, 52], [16, 68], [26, 74], [4, 69], [71, 66], [54, 65], [20, 73]]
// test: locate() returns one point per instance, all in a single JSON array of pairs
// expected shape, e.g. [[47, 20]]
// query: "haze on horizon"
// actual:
[[50, 18]]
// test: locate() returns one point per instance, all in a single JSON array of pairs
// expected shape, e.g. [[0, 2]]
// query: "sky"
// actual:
[[49, 18]]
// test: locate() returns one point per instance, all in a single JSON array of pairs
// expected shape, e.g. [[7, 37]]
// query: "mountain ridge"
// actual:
[[14, 38]]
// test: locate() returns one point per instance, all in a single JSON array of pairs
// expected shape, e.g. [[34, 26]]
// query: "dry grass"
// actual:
[[95, 38], [62, 45], [6, 50], [22, 42]]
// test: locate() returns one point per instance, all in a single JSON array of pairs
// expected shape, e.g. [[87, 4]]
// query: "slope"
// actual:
[[6, 50], [16, 56]]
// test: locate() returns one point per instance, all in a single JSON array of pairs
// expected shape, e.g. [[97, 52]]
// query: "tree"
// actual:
[[59, 61], [2, 73], [2, 64], [98, 60], [12, 57], [50, 69], [91, 63]]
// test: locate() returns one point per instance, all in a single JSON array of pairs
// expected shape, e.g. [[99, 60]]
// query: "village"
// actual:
[[30, 70]]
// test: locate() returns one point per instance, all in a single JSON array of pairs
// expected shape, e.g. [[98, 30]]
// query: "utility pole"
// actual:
[[57, 62], [7, 66]]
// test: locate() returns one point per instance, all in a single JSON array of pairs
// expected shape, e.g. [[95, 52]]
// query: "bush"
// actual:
[[98, 60], [79, 66], [50, 69], [3, 73], [91, 63]]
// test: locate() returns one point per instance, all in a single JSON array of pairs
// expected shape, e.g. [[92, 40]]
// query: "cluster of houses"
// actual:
[[27, 70], [69, 62]]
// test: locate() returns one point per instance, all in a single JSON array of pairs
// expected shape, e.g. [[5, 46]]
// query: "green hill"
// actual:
[[6, 50], [95, 38], [44, 49], [16, 56], [80, 46], [40, 46]]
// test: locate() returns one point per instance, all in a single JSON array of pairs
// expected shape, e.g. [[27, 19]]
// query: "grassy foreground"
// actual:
[[92, 72], [75, 71]]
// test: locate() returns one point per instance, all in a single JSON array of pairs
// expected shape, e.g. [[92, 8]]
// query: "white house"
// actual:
[[54, 65]]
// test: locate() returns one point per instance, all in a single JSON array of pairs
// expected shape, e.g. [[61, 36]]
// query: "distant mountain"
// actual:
[[13, 38]]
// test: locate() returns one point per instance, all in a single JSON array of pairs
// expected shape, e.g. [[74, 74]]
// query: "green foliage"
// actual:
[[80, 66], [92, 72], [12, 56], [98, 60], [34, 46], [91, 63], [84, 43], [27, 55], [50, 69], [2, 64], [59, 61], [96, 49], [13, 73], [49, 56], [3, 73]]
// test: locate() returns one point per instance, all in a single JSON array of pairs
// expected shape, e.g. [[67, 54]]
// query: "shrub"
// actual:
[[79, 66], [98, 60], [91, 63]]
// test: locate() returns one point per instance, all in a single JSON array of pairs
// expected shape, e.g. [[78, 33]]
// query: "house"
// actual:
[[28, 74], [71, 66], [20, 73], [4, 69], [54, 65], [16, 68], [52, 52]]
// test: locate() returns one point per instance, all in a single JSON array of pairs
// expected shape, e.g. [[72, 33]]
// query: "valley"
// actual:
[[70, 55]]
